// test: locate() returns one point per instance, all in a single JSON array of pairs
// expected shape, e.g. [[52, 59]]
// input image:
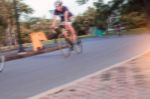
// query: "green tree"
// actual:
[[7, 14], [134, 13], [83, 22], [80, 2], [139, 8]]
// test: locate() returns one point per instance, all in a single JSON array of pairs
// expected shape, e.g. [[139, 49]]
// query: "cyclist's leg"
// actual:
[[71, 30], [67, 37], [74, 35]]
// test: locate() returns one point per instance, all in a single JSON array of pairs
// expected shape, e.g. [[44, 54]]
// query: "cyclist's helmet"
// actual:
[[58, 2]]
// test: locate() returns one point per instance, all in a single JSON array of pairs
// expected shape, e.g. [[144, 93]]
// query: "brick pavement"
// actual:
[[129, 80]]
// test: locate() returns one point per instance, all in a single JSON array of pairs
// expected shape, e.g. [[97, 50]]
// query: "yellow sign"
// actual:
[[37, 38]]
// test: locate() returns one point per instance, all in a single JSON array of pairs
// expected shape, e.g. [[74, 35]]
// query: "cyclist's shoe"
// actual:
[[78, 42], [69, 42], [71, 48]]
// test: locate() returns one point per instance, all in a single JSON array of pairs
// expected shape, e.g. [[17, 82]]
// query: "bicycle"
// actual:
[[2, 62], [66, 45]]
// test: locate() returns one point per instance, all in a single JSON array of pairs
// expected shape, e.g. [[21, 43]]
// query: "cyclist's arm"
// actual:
[[66, 16], [54, 21]]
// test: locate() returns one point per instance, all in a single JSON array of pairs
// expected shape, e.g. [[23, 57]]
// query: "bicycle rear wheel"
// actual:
[[64, 46], [2, 62]]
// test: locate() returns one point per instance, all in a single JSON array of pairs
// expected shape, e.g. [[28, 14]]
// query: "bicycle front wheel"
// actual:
[[2, 62], [64, 46]]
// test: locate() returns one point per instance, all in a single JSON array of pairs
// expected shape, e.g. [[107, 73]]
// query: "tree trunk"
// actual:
[[9, 33], [8, 36], [14, 35], [147, 9]]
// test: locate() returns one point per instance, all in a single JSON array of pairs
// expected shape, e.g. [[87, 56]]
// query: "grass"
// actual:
[[130, 31], [139, 30]]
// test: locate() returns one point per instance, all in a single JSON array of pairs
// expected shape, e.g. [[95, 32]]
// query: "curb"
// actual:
[[59, 88], [15, 56], [28, 54]]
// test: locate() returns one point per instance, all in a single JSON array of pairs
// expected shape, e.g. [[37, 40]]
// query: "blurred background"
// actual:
[[19, 17]]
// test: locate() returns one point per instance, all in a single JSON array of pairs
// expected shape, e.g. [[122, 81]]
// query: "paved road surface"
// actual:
[[27, 77]]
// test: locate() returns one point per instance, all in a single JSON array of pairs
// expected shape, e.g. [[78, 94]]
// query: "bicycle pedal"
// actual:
[[78, 42], [71, 48]]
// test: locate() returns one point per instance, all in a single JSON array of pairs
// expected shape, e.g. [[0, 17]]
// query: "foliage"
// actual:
[[134, 13], [82, 23], [8, 23]]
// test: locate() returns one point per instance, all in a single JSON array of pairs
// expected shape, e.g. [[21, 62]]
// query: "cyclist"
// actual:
[[65, 17]]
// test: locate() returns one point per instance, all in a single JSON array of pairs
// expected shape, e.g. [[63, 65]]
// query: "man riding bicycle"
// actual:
[[65, 17]]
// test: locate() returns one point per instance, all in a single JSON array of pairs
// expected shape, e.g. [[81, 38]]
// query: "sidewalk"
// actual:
[[13, 54], [130, 80]]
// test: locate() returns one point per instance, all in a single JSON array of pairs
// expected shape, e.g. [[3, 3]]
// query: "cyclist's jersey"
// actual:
[[61, 13]]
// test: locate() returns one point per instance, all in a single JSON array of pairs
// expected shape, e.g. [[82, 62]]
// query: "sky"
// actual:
[[42, 7]]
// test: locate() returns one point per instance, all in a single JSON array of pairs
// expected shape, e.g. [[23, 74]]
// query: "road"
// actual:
[[30, 76]]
